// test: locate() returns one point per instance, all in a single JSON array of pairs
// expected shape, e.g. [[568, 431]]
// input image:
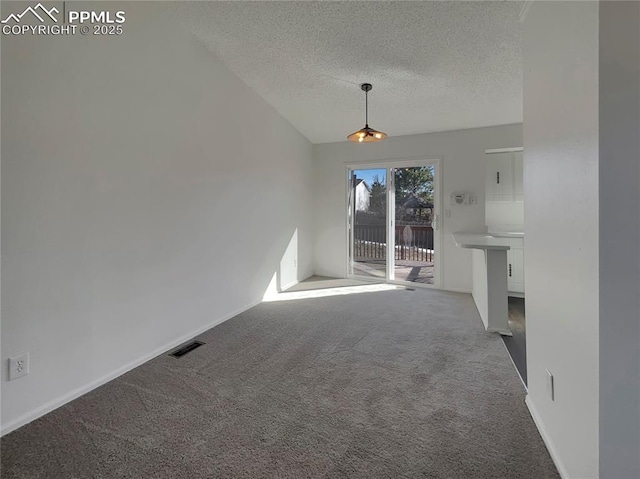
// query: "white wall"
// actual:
[[619, 239], [147, 194], [504, 215], [582, 224], [561, 227], [462, 156]]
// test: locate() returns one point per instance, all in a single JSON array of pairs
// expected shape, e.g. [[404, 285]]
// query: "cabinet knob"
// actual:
[[498, 177], [509, 269]]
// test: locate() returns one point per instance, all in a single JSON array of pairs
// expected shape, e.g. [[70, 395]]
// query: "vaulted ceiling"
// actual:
[[434, 66]]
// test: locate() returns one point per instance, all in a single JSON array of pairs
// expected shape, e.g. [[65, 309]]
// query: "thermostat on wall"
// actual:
[[459, 198]]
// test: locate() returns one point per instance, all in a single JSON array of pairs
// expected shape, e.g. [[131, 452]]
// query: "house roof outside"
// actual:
[[366, 185]]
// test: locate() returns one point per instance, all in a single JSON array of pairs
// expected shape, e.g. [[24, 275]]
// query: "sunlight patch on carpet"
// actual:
[[320, 293]]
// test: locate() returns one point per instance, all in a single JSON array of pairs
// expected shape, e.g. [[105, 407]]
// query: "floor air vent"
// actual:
[[187, 348]]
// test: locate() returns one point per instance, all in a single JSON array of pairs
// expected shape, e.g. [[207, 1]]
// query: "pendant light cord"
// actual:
[[366, 109]]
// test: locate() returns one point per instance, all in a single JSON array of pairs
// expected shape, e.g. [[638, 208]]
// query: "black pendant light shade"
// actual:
[[366, 134]]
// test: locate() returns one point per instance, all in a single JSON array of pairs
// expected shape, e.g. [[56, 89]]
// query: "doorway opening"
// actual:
[[414, 214], [369, 223], [392, 223]]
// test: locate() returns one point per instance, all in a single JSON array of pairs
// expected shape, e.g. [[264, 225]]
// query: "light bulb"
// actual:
[[361, 139], [378, 135]]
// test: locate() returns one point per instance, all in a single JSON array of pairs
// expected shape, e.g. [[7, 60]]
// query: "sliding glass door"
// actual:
[[368, 226], [392, 222], [413, 226]]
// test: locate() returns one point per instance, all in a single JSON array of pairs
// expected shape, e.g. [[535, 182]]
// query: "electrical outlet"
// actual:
[[550, 391], [295, 263], [18, 366], [447, 213]]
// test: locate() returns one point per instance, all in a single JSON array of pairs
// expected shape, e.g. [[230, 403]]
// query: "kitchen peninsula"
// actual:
[[489, 263]]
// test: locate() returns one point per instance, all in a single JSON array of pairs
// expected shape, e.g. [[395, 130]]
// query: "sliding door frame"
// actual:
[[389, 165]]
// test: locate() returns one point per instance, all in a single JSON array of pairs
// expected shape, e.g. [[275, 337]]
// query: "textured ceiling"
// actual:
[[434, 66]]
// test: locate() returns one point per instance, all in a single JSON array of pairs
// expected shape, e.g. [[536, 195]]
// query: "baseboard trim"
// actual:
[[76, 393], [288, 285], [545, 437], [456, 290]]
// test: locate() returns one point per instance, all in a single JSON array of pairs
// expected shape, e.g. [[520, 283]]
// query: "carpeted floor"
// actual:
[[395, 384]]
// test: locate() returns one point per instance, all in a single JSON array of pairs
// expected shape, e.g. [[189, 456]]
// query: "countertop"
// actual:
[[506, 234], [483, 240]]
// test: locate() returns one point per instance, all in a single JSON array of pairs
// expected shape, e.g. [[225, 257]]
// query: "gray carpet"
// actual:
[[396, 384]]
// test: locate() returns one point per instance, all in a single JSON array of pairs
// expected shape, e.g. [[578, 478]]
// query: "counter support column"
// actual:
[[498, 307]]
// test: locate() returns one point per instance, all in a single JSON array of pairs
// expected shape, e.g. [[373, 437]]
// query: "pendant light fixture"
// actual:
[[366, 134]]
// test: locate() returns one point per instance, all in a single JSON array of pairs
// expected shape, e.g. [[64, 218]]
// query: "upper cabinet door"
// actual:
[[518, 190], [499, 177]]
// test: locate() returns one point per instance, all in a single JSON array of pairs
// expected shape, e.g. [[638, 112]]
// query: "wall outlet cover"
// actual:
[[18, 366]]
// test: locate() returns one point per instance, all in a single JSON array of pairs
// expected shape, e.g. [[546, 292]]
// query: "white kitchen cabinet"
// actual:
[[499, 176], [515, 270], [504, 209], [518, 190], [504, 176], [515, 261]]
